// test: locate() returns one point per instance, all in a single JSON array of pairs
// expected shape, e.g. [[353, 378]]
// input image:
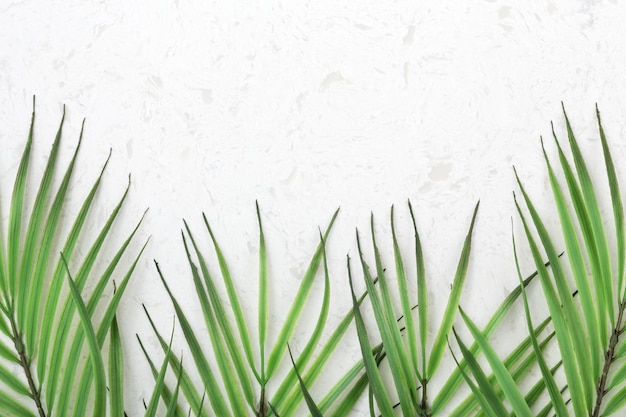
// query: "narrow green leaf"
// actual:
[[31, 241], [4, 327], [586, 228], [349, 398], [617, 378], [71, 367], [227, 331], [547, 409], [405, 302], [271, 407], [511, 391], [315, 412], [615, 403], [206, 374], [59, 332], [535, 393], [242, 327], [231, 383], [376, 383], [33, 303], [172, 408], [96, 295], [492, 403], [392, 340], [187, 386], [81, 401], [160, 382], [15, 215], [201, 404], [620, 352], [263, 294], [56, 284], [9, 405], [8, 353], [307, 352], [568, 326], [99, 404], [591, 203], [422, 293], [280, 346], [439, 345], [454, 381], [548, 379], [485, 405], [579, 270], [318, 365], [11, 381], [371, 402], [618, 207], [116, 373], [166, 393], [566, 345], [519, 362]]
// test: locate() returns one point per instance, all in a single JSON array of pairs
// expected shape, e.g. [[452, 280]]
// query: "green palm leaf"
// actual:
[[315, 412], [588, 328], [99, 407], [34, 282], [403, 358], [453, 302], [229, 385], [195, 401], [116, 372], [486, 394], [520, 361], [377, 388]]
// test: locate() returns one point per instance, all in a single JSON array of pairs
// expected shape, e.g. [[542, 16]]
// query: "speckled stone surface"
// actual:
[[305, 107]]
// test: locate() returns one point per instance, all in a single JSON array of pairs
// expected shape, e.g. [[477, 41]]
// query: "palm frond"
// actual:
[[403, 359], [237, 384], [35, 283], [404, 356], [588, 328]]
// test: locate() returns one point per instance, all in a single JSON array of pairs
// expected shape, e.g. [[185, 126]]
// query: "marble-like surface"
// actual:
[[305, 107]]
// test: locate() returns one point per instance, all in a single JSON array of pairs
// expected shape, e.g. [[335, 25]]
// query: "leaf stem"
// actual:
[[609, 358], [263, 409], [25, 363], [424, 407]]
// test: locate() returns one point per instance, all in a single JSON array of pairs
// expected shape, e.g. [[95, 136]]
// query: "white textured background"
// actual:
[[307, 106]]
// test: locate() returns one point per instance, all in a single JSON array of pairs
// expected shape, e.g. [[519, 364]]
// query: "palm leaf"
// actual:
[[116, 372], [228, 385], [403, 359], [453, 302], [315, 412], [377, 388], [506, 381], [160, 383], [486, 396], [588, 332], [563, 328], [342, 387], [390, 332], [34, 282], [382, 310], [99, 407], [550, 383], [195, 400]]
